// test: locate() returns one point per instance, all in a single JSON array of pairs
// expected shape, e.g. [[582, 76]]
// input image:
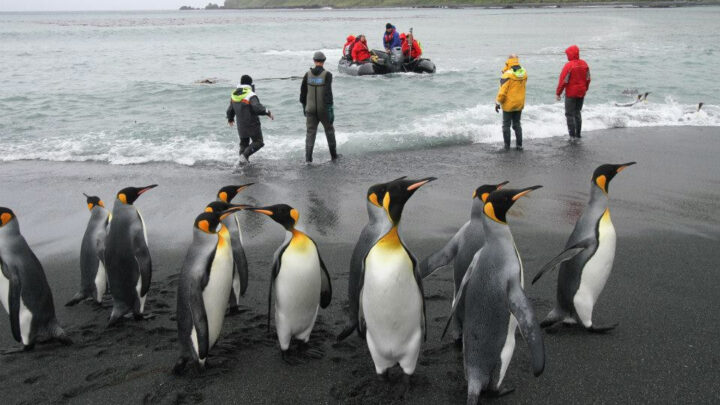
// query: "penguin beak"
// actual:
[[419, 183], [261, 210], [623, 166], [499, 186], [244, 186], [524, 192], [233, 208], [147, 188]]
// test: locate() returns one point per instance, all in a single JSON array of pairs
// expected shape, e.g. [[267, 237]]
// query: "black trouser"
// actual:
[[247, 148], [514, 118], [312, 122], [573, 106]]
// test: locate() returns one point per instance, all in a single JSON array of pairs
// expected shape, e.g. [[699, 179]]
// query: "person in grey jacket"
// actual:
[[245, 105], [316, 98]]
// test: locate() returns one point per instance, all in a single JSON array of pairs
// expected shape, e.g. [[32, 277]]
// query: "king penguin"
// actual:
[[93, 278], [496, 304], [461, 248], [127, 257], [205, 281], [392, 304], [377, 226], [24, 290], [300, 279], [232, 222], [587, 260]]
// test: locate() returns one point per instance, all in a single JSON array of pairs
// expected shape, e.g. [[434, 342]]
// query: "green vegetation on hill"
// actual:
[[419, 3]]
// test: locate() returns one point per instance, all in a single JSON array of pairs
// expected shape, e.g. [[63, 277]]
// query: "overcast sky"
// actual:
[[71, 5]]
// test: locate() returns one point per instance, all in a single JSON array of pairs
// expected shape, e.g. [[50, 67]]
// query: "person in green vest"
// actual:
[[316, 98], [245, 105]]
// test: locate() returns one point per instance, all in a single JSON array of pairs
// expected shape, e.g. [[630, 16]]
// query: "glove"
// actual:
[[497, 107], [330, 113]]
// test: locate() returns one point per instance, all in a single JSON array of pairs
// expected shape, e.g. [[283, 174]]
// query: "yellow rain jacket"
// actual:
[[511, 95]]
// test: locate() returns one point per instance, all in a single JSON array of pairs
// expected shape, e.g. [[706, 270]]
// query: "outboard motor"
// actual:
[[396, 56]]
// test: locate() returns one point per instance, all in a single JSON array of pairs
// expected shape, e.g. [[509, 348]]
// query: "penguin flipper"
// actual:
[[418, 280], [461, 290], [325, 285], [523, 311], [142, 256], [275, 271], [440, 258], [239, 257], [13, 300], [200, 324], [559, 259]]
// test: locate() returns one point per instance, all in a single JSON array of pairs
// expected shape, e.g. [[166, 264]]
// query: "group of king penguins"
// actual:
[[385, 285]]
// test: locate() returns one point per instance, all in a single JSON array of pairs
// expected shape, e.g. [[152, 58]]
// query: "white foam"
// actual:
[[478, 124]]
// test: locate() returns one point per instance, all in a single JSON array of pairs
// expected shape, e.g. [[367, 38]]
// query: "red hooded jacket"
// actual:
[[350, 39], [416, 50], [360, 51], [575, 76]]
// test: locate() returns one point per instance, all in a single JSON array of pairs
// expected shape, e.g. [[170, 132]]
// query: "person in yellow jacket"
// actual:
[[511, 98]]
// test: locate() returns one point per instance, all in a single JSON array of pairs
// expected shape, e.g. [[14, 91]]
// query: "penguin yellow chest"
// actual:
[[391, 300], [298, 284]]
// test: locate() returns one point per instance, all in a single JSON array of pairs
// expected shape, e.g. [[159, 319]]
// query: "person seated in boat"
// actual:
[[360, 51], [416, 51], [347, 48], [391, 39]]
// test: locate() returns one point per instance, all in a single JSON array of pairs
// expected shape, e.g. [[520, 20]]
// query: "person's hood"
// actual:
[[573, 52], [350, 38], [510, 63], [403, 36], [242, 88], [392, 27], [317, 70]]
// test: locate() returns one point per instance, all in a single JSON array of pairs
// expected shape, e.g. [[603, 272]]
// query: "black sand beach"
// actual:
[[663, 289]]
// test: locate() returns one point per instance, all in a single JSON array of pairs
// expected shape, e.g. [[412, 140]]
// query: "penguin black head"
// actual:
[[93, 201], [208, 222], [222, 209], [392, 196], [128, 195], [604, 173], [6, 215], [283, 214], [227, 193], [499, 202], [484, 191]]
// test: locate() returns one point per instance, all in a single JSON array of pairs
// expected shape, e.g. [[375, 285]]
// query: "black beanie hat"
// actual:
[[388, 25], [245, 79]]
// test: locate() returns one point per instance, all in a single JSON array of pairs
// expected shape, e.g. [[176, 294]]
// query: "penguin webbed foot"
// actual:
[[498, 393], [384, 376], [180, 366], [602, 329], [10, 352], [63, 340], [404, 387], [289, 358], [308, 351], [76, 299]]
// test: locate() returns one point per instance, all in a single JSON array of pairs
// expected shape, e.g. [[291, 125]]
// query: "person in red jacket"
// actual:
[[416, 49], [360, 51], [575, 81], [347, 48]]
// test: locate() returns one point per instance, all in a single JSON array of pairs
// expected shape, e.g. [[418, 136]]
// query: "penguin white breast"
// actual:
[[100, 281], [217, 290], [391, 300], [4, 290], [297, 285], [598, 267]]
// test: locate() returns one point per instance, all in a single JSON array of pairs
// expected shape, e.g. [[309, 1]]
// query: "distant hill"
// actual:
[[436, 3]]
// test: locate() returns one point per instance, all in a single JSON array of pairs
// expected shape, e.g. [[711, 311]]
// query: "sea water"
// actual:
[[121, 87]]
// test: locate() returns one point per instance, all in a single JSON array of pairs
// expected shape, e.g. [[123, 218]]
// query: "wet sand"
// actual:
[[663, 289]]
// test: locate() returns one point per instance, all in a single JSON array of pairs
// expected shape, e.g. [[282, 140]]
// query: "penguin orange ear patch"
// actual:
[[374, 199], [90, 206], [223, 196], [208, 209], [295, 214], [5, 218], [204, 226], [601, 182], [101, 203], [122, 197], [484, 196], [386, 201], [490, 212]]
